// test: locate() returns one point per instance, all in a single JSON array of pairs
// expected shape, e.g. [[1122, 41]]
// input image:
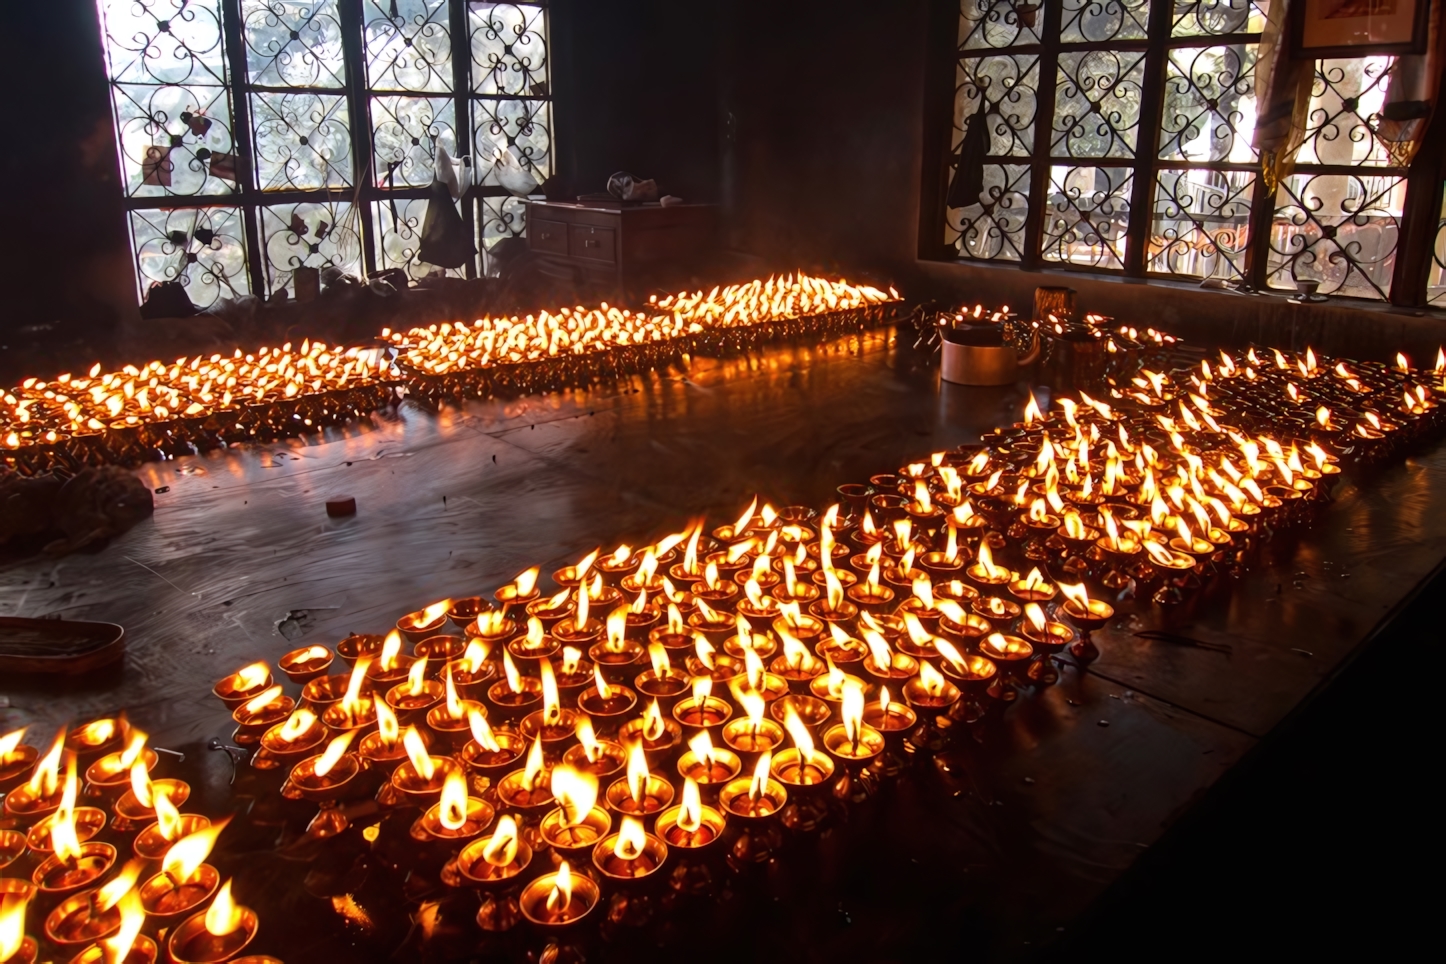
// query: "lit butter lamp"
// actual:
[[470, 672], [800, 766], [707, 765], [1087, 615], [41, 794], [242, 685], [92, 915], [662, 682], [796, 665], [138, 803], [1048, 637], [888, 715], [690, 825], [527, 789], [411, 700], [456, 816], [618, 652], [520, 591], [559, 899], [293, 739], [326, 777], [631, 854], [534, 644], [127, 945], [834, 607], [601, 758], [657, 735], [490, 752], [448, 719], [258, 714], [426, 622], [640, 792], [355, 710], [606, 702], [111, 773], [754, 797], [883, 663], [419, 779], [216, 935], [514, 695], [15, 946], [85, 822], [493, 865], [580, 628], [853, 741], [303, 665], [72, 865], [383, 746], [1011, 655], [170, 826], [985, 574], [16, 759], [185, 880], [577, 824], [753, 732]]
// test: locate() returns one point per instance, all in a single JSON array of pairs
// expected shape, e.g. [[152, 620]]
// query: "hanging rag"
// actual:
[[446, 241], [968, 183]]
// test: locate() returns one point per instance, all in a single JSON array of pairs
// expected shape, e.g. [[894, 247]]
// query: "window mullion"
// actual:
[[231, 25], [359, 106], [462, 99], [1032, 255], [1147, 139]]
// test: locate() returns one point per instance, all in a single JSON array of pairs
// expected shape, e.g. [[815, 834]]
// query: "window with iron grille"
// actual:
[[259, 136], [1116, 137]]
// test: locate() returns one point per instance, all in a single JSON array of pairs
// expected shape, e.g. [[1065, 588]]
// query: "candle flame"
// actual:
[[452, 809], [335, 750], [551, 705], [884, 699], [758, 785], [481, 732], [852, 710], [475, 655], [798, 732], [117, 887], [425, 766], [617, 629], [690, 810], [653, 726], [526, 581], [12, 926], [45, 778], [454, 706], [604, 691], [168, 818], [587, 738], [250, 677], [581, 609], [576, 794], [658, 656], [133, 917], [930, 679], [9, 742], [532, 770], [743, 520], [947, 650], [1077, 595], [637, 772], [986, 561], [64, 839], [501, 847], [631, 839], [1032, 413], [141, 784], [509, 670], [924, 591], [417, 678], [223, 916], [185, 856], [391, 649], [701, 746], [258, 703], [879, 651], [702, 689]]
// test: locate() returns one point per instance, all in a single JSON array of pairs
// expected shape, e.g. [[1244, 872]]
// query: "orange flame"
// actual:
[[186, 855], [501, 847], [425, 766], [481, 732], [223, 916], [560, 897], [452, 809], [335, 750], [690, 809], [576, 794]]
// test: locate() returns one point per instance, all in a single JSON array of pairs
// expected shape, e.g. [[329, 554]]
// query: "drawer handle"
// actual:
[[545, 236], [589, 243]]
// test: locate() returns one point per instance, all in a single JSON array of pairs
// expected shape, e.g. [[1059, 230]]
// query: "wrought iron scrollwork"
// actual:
[[290, 44], [1209, 104], [408, 45], [1201, 223], [993, 230], [1097, 103], [1087, 216], [1338, 229], [200, 247], [509, 49], [1436, 285]]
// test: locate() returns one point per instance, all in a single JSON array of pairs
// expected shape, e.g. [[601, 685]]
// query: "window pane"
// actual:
[[1209, 109], [1345, 105], [403, 133], [1087, 215], [203, 248], [174, 140], [500, 217], [1096, 21], [164, 41], [1436, 284], [993, 230], [1201, 223], [293, 44], [1338, 229], [989, 23], [303, 141], [509, 49], [398, 223], [408, 45], [1214, 18], [521, 126], [314, 235], [1097, 103], [1007, 84]]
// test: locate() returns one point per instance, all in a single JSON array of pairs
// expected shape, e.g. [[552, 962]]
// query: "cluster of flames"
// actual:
[[39, 412]]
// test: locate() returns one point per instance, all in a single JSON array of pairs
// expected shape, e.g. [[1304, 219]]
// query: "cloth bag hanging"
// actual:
[[446, 242]]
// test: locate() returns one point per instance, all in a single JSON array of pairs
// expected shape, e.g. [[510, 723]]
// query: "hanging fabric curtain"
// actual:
[[1411, 94], [1282, 98]]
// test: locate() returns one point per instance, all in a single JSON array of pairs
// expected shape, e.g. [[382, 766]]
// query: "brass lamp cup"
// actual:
[[430, 827], [657, 797], [107, 775], [797, 677], [999, 612], [164, 898], [382, 678], [477, 872], [617, 664], [511, 705], [666, 689], [808, 628], [251, 724], [378, 753], [762, 644], [610, 759], [192, 944], [470, 685], [328, 787], [559, 729], [623, 872], [325, 691], [568, 633], [151, 845], [712, 712], [89, 821], [870, 743], [810, 709], [416, 628], [1086, 621], [607, 712], [745, 736], [465, 610], [357, 645], [514, 791], [441, 648], [976, 673], [417, 789], [509, 596], [523, 650], [227, 692], [56, 877], [576, 840], [586, 894], [893, 721], [799, 775], [340, 719], [921, 700], [76, 920], [1051, 639], [711, 824], [12, 847], [453, 733], [490, 763], [969, 632], [18, 766], [547, 614], [901, 666], [127, 807], [143, 951], [725, 668], [842, 652], [410, 707], [723, 765], [657, 744], [301, 668], [734, 799], [25, 806], [939, 566]]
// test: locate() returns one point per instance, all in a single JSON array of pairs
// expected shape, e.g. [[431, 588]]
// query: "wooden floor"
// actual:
[[1000, 847]]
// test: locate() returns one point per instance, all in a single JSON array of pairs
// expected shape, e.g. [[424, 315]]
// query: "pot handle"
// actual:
[[1035, 348]]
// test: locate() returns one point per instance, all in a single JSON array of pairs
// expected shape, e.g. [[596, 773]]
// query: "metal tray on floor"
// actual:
[[58, 645]]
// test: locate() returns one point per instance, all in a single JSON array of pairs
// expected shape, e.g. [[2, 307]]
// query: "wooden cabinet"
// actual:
[[630, 247]]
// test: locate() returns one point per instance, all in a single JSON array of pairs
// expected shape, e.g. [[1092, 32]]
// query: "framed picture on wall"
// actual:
[[1359, 28]]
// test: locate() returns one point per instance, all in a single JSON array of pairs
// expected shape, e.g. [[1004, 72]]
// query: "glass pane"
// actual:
[[303, 141], [1338, 229], [1097, 103], [1345, 108], [203, 248], [398, 223], [501, 217], [1097, 21], [164, 41], [993, 230], [1436, 283], [1201, 223], [293, 44], [1007, 84], [1209, 110], [1214, 18], [406, 132], [1087, 215], [509, 49], [998, 23], [174, 140], [408, 45], [313, 234], [523, 127]]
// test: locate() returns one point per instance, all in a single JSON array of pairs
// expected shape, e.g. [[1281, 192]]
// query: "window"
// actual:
[[259, 136], [1117, 138]]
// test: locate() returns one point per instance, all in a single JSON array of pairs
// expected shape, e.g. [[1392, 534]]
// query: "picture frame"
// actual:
[[1358, 28]]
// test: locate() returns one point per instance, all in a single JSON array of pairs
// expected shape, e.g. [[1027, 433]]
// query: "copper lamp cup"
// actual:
[[666, 689], [560, 729], [357, 645], [301, 667], [515, 705], [617, 664], [490, 763], [1053, 638], [89, 821], [412, 707], [75, 920], [162, 897], [380, 679], [328, 787], [251, 724], [797, 677], [586, 894], [378, 753], [151, 845], [466, 610], [192, 944], [973, 628], [657, 744], [745, 736], [96, 738], [712, 712], [477, 872], [657, 797], [810, 709], [1096, 617], [1000, 613], [415, 628], [430, 827], [901, 667], [892, 720], [868, 745], [523, 650], [721, 767], [440, 649], [325, 691], [287, 752], [470, 685], [59, 878], [143, 951], [619, 871], [610, 759], [127, 807], [921, 700], [107, 774], [451, 732], [27, 953], [25, 806], [606, 712], [18, 766], [711, 824], [573, 841], [568, 633], [12, 847], [340, 719], [227, 692], [842, 652], [807, 628], [735, 799], [514, 791], [797, 774], [417, 789]]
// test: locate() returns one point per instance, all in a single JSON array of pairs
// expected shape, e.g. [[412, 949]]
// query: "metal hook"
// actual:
[[233, 753], [180, 757]]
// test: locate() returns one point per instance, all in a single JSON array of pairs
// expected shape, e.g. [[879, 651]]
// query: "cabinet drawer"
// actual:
[[592, 244], [549, 236]]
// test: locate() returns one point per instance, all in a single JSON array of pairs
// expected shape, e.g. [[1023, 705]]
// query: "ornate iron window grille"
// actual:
[[258, 136]]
